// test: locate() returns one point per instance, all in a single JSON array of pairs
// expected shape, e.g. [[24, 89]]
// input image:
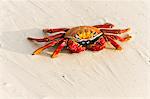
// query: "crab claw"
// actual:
[[98, 45], [75, 47]]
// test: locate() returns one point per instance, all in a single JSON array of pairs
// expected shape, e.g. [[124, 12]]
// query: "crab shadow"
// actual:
[[16, 41]]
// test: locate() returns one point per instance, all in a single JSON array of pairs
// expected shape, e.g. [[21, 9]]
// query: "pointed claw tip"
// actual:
[[53, 56], [44, 30], [128, 37], [111, 25], [29, 38], [119, 48], [128, 29], [36, 53]]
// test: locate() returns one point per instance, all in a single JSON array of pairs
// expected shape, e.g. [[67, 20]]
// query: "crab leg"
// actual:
[[46, 39], [117, 46], [106, 25], [59, 48], [39, 50], [115, 37], [55, 30], [38, 39], [115, 31]]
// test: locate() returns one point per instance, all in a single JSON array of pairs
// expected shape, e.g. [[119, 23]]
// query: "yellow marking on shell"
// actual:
[[91, 34], [80, 35], [85, 34], [88, 34]]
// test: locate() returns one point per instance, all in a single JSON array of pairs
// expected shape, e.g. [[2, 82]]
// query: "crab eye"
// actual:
[[83, 42], [87, 42]]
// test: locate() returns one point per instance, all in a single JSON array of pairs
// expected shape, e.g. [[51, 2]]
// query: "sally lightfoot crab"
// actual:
[[78, 39]]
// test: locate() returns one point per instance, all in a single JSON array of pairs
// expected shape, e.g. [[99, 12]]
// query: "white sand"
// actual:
[[106, 73]]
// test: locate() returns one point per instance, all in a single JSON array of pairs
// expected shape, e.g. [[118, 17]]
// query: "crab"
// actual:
[[81, 38]]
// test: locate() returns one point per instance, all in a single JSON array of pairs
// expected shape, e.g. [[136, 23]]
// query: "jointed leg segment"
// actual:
[[55, 30], [46, 39], [115, 31], [38, 39], [39, 50], [115, 37], [59, 48], [106, 25], [115, 44]]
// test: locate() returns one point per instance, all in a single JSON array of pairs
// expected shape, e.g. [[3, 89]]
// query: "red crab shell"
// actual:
[[80, 38], [75, 30]]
